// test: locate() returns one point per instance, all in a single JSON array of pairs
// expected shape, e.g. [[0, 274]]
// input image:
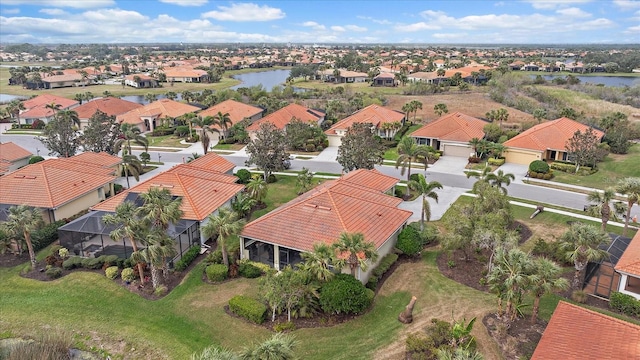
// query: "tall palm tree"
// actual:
[[602, 207], [426, 189], [129, 228], [257, 188], [279, 347], [53, 106], [408, 152], [317, 262], [154, 253], [203, 123], [225, 224], [358, 251], [69, 115], [222, 120], [475, 142], [544, 278], [440, 109], [510, 271], [631, 188], [415, 106], [581, 243], [499, 178], [14, 107], [22, 221], [131, 165], [130, 133]]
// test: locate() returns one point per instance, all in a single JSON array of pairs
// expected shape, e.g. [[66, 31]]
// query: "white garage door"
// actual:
[[456, 150]]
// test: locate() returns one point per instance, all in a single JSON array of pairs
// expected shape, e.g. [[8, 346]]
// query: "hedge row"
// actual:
[[249, 308], [384, 266], [74, 262], [187, 258], [624, 303], [496, 162], [46, 235], [571, 168], [217, 272]]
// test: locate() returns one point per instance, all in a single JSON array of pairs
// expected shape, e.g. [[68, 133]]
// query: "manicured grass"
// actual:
[[166, 141], [391, 154], [612, 169], [233, 147], [365, 88]]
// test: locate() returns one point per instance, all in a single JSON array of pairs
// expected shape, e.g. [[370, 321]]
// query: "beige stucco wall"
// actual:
[[456, 149], [75, 206], [521, 156], [386, 248], [334, 140]]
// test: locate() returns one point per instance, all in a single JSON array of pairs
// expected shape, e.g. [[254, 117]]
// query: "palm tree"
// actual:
[[23, 220], [426, 189], [415, 106], [407, 109], [69, 115], [53, 106], [581, 243], [225, 224], [601, 207], [510, 272], [150, 97], [499, 178], [222, 120], [496, 149], [475, 142], [358, 251], [131, 166], [279, 347], [440, 109], [631, 188], [129, 228], [544, 278], [408, 152], [317, 262], [154, 253], [257, 188], [14, 107], [130, 133], [203, 123]]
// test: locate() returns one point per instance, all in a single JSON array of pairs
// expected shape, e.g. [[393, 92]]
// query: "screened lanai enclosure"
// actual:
[[88, 236]]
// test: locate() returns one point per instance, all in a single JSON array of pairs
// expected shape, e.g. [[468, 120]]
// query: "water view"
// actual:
[[268, 79], [616, 81]]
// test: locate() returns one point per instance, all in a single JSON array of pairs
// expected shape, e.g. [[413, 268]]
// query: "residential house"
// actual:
[[384, 79], [282, 117], [110, 105], [546, 141], [12, 157], [64, 80], [345, 76], [575, 332], [36, 108], [186, 75], [140, 81], [601, 278], [629, 269], [61, 188], [150, 116], [451, 134], [320, 216], [385, 123], [237, 111], [204, 186]]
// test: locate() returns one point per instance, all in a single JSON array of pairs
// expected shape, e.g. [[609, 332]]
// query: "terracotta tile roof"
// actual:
[[578, 333], [184, 72], [213, 161], [62, 78], [629, 262], [236, 110], [372, 179], [322, 214], [92, 158], [109, 105], [282, 117], [374, 114], [51, 183], [202, 191], [453, 127], [549, 135], [11, 152], [46, 99], [161, 108]]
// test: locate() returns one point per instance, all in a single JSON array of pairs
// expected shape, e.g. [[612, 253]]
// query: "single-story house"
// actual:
[[65, 80], [185, 75], [237, 111], [203, 189], [61, 188], [110, 105], [36, 108], [386, 123], [575, 332], [629, 269], [282, 117], [451, 134], [384, 79], [149, 116], [140, 81], [12, 157], [320, 216], [546, 141], [346, 76]]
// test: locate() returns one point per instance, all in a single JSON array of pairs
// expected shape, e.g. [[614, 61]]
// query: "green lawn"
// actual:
[[612, 169], [232, 147], [166, 141]]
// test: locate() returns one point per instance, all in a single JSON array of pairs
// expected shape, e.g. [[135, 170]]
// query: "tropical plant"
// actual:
[[318, 262], [440, 109], [130, 133], [129, 226], [279, 347], [224, 121], [499, 178], [408, 152], [544, 278], [357, 249], [601, 205], [426, 189], [131, 166], [23, 220], [631, 188], [581, 244], [509, 277], [304, 181], [257, 188], [224, 224]]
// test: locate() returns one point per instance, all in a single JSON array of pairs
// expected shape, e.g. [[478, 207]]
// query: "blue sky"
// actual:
[[321, 22]]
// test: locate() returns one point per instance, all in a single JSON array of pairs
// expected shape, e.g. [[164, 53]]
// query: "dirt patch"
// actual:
[[517, 339], [10, 260], [468, 272]]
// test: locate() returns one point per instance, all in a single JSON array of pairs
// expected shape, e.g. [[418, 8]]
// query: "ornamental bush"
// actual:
[[111, 272], [244, 175], [496, 162], [35, 159], [214, 257], [54, 272], [344, 295], [271, 179], [187, 258], [128, 274], [409, 241], [625, 304], [248, 270], [249, 308], [216, 272], [46, 235], [539, 166], [379, 271], [72, 262]]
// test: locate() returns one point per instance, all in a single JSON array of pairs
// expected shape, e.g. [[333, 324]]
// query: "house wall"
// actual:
[[521, 156], [386, 248], [82, 203], [627, 283], [18, 164], [334, 140]]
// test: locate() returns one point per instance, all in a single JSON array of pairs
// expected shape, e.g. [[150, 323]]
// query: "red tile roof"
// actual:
[[452, 127], [46, 99], [374, 114], [549, 135], [629, 262], [109, 105], [283, 117], [213, 161], [161, 108], [202, 191], [52, 183], [11, 152], [322, 214], [578, 333], [236, 110], [92, 158], [372, 179]]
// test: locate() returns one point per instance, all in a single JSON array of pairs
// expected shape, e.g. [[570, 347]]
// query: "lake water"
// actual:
[[5, 98], [615, 81], [268, 79]]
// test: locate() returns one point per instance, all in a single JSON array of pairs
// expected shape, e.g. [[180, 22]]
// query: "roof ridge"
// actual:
[[287, 206], [601, 315], [333, 203], [48, 186], [187, 195]]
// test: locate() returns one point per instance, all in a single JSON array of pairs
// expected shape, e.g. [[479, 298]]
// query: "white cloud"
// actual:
[[355, 28], [419, 26], [633, 30], [554, 4], [54, 12], [627, 4], [377, 21], [573, 12], [245, 12], [450, 36], [314, 25], [338, 28], [185, 2], [78, 4], [499, 3], [10, 11]]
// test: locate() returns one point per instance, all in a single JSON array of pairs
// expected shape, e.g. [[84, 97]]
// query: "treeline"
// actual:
[[625, 61]]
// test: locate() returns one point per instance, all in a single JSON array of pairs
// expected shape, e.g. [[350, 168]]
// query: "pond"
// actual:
[[268, 79], [5, 98], [615, 81]]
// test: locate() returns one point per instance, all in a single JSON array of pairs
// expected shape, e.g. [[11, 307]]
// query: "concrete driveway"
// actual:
[[519, 171], [449, 165], [329, 154]]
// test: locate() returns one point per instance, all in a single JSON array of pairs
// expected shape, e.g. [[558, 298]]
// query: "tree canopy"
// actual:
[[360, 148]]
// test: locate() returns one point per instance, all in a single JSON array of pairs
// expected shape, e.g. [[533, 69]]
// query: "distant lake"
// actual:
[[615, 81], [140, 98], [5, 98], [268, 79]]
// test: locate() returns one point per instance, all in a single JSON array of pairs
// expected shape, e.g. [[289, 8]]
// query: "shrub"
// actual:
[[244, 175], [187, 258], [128, 274], [181, 131], [409, 241], [414, 177], [160, 290], [496, 162], [564, 167], [92, 263], [72, 263], [344, 295], [533, 174], [579, 296], [248, 308], [46, 235], [540, 176], [474, 159], [384, 266], [271, 179], [249, 270], [37, 124], [108, 260], [54, 272], [310, 148], [214, 257], [217, 272], [35, 159], [285, 326], [398, 193], [111, 272], [547, 176], [539, 166], [625, 304]]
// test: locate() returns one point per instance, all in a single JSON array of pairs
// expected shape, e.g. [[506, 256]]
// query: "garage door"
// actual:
[[334, 140], [456, 150], [522, 157]]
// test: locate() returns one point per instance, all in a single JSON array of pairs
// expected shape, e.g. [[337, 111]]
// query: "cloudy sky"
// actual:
[[321, 22]]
